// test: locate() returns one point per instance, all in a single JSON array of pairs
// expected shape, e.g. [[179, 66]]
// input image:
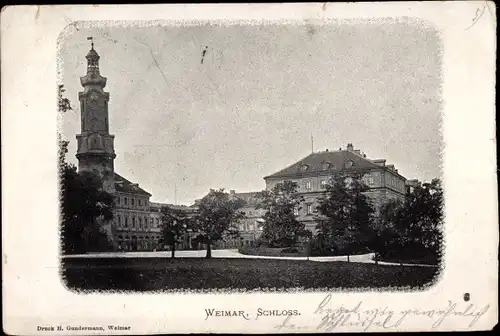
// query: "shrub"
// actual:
[[290, 250]]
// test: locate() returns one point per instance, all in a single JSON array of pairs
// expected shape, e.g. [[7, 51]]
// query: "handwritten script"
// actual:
[[334, 317]]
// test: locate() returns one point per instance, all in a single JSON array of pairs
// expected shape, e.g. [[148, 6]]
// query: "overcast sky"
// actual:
[[250, 109]]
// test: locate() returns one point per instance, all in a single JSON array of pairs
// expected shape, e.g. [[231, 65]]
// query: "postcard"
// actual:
[[249, 168]]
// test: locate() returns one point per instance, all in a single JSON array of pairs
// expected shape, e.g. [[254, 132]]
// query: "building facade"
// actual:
[[314, 172]]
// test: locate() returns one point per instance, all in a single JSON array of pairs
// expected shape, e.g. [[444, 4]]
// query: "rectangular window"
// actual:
[[296, 211], [371, 181], [125, 200], [132, 201], [140, 203], [118, 200], [307, 185], [323, 184], [309, 209]]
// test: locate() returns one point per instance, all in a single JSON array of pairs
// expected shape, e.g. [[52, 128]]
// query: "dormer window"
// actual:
[[349, 164], [326, 165], [304, 167]]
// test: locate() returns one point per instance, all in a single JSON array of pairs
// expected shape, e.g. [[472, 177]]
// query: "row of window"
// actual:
[[139, 202], [310, 209], [137, 222], [395, 182], [250, 227], [328, 165], [308, 185]]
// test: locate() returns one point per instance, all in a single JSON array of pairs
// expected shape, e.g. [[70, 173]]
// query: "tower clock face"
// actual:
[[93, 97]]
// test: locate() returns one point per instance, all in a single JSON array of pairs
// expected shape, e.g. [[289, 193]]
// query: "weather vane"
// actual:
[[90, 38]]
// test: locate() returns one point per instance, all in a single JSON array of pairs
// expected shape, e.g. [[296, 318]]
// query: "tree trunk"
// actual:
[[348, 258], [173, 251], [209, 251]]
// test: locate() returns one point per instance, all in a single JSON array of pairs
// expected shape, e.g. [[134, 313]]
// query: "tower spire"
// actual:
[[91, 39]]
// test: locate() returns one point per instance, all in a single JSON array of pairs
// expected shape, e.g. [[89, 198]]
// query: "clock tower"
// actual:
[[96, 151]]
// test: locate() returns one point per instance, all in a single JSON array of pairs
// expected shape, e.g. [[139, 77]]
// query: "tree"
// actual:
[[175, 223], [386, 233], [84, 206], [217, 216], [346, 214], [83, 202], [281, 226], [413, 230]]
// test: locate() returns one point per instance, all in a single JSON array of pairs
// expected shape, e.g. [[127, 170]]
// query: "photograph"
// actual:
[[251, 156]]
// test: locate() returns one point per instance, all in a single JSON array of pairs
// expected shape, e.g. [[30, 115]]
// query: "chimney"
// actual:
[[327, 149], [379, 162], [350, 147], [391, 167], [232, 192], [357, 151]]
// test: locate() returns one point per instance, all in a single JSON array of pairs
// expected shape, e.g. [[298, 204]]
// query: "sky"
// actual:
[[189, 121]]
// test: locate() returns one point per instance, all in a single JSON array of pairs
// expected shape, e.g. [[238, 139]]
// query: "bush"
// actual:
[[273, 251], [290, 250], [320, 249]]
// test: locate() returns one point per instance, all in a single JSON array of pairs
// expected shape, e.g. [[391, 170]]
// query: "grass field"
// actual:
[[150, 274]]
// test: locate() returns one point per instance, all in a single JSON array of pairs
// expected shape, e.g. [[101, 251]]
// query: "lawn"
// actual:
[[151, 274]]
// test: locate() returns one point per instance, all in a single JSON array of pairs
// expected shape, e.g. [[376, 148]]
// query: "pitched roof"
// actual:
[[315, 161], [250, 198], [124, 185]]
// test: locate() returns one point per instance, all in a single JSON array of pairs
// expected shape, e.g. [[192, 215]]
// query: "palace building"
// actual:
[[313, 173]]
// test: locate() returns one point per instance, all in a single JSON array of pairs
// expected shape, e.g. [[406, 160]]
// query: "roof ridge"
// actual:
[[289, 166]]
